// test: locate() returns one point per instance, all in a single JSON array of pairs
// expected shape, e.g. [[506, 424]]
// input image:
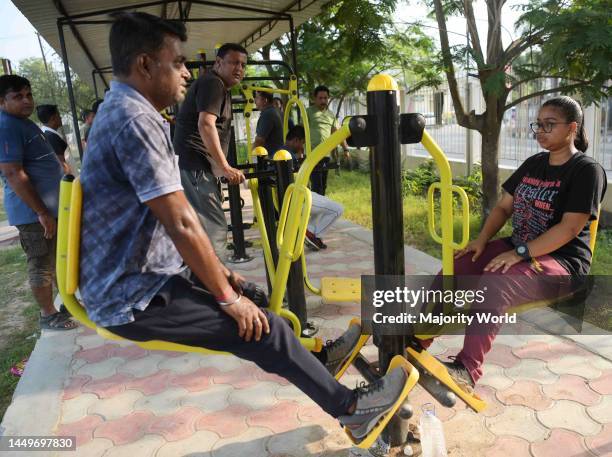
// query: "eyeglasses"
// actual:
[[545, 127]]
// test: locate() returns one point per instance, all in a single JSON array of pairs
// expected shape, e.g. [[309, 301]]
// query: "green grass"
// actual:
[[16, 344], [3, 216], [352, 189]]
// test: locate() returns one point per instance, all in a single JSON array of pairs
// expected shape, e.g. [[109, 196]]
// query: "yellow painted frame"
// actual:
[[294, 216]]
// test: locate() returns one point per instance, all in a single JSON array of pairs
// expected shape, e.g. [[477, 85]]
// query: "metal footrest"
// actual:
[[424, 360], [411, 380]]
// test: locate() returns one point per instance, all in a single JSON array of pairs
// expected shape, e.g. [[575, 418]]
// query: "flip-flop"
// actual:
[[57, 321]]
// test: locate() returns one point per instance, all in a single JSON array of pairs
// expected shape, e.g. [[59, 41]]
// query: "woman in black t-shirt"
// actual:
[[551, 198]]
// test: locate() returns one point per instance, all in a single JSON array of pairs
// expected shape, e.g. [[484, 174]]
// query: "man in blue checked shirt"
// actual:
[[148, 270]]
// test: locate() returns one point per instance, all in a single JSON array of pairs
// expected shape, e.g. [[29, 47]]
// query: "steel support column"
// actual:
[[387, 215]]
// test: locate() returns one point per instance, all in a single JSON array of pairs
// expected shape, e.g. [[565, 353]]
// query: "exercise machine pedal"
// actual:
[[411, 380], [363, 339], [432, 385], [426, 362]]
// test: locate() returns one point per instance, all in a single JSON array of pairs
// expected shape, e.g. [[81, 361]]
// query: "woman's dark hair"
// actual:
[[136, 33], [572, 112], [46, 112], [320, 89], [227, 47], [12, 83]]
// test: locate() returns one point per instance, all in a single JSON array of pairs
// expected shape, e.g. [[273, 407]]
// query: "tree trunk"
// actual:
[[490, 164]]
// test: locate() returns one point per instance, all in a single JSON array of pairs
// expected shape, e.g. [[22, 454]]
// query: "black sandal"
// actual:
[[57, 321]]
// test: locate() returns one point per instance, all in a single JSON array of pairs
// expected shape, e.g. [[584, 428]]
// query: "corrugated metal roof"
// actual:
[[43, 14]]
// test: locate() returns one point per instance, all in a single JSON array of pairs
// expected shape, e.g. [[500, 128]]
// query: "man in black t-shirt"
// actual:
[[269, 132], [201, 140], [51, 121]]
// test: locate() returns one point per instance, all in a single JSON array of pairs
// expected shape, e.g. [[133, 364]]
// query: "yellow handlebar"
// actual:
[[447, 212], [300, 197], [465, 217], [446, 205]]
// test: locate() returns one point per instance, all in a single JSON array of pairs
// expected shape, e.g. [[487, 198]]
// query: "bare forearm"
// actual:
[[551, 240], [210, 138], [65, 165], [259, 141], [198, 253], [22, 186], [496, 220]]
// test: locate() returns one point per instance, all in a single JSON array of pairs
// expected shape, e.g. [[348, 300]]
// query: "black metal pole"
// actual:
[[293, 46], [93, 77], [387, 214], [75, 119], [295, 281], [264, 190], [240, 255]]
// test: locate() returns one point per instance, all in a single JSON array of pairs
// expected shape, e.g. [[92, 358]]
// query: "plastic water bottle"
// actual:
[[433, 443]]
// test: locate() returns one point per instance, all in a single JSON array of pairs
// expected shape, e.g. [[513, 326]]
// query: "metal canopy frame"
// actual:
[[184, 9]]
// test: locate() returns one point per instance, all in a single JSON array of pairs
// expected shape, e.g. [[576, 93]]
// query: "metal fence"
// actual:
[[517, 142]]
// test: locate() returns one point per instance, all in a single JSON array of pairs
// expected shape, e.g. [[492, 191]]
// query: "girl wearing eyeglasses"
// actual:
[[551, 198]]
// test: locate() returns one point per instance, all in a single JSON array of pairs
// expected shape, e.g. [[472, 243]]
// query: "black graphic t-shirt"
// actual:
[[543, 193]]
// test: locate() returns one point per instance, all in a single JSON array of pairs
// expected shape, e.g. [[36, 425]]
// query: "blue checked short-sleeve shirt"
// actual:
[[126, 254]]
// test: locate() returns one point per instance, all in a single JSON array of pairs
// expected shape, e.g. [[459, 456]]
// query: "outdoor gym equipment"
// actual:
[[67, 270]]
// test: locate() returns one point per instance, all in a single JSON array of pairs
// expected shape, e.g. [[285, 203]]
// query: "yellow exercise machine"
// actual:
[[67, 270]]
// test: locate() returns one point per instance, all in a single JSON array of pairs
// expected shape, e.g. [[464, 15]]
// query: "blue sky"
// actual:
[[18, 39]]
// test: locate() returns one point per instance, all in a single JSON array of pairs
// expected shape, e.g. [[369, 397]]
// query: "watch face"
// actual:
[[522, 250]]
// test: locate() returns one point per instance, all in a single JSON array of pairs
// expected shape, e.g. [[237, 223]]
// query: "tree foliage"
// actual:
[[49, 86], [568, 40], [352, 40]]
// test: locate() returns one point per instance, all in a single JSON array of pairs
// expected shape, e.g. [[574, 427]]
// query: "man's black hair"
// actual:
[[228, 47], [296, 133], [46, 112], [139, 33], [95, 105], [267, 95], [320, 89], [12, 83]]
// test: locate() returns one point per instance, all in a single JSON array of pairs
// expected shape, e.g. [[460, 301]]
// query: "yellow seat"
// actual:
[[341, 290], [67, 270]]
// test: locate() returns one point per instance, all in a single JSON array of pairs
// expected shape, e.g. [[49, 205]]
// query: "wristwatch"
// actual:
[[522, 251]]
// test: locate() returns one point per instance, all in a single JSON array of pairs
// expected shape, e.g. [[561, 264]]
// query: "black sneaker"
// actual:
[[319, 242], [460, 374], [341, 348], [309, 241], [373, 402]]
